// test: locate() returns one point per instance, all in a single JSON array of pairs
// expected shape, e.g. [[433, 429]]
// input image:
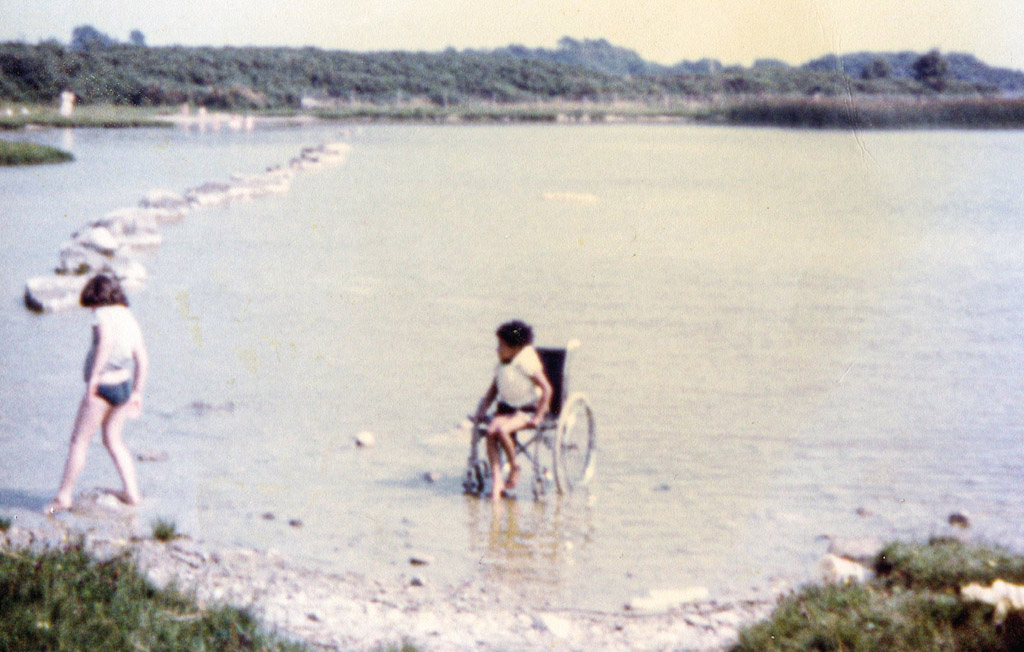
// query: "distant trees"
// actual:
[[878, 69], [87, 37], [99, 69], [932, 69]]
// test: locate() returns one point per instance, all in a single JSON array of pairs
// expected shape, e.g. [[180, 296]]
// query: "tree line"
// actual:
[[99, 69]]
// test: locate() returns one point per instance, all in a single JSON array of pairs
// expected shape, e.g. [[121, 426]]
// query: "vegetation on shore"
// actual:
[[66, 601], [912, 604], [509, 84], [105, 116], [17, 153]]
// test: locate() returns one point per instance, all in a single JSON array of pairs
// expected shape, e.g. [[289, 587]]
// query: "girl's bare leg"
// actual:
[[91, 413], [502, 428], [494, 459], [113, 426]]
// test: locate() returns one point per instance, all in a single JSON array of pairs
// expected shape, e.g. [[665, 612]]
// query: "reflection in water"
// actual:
[[529, 545], [67, 139]]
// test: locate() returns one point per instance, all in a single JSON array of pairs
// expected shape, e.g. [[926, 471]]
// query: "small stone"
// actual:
[[431, 476], [555, 624], [366, 439], [268, 516], [152, 456], [957, 519], [838, 570], [416, 581], [296, 523], [312, 616], [864, 512], [665, 599], [421, 560], [863, 550]]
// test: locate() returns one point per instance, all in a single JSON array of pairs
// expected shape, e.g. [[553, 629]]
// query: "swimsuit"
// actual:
[[117, 394]]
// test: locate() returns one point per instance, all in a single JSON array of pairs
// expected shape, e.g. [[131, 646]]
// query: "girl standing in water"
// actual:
[[112, 392]]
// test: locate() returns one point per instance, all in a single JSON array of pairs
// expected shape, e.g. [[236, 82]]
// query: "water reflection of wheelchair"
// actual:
[[561, 451]]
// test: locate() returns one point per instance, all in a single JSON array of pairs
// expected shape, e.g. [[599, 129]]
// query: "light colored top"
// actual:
[[125, 336], [514, 380]]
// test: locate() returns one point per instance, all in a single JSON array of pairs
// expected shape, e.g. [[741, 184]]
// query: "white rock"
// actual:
[[19, 538], [166, 199], [159, 577], [52, 293], [208, 194], [837, 570], [98, 238], [862, 550], [557, 625], [1002, 594], [366, 439], [665, 599], [75, 259]]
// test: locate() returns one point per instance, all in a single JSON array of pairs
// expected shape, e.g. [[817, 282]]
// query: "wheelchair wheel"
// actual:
[[476, 478], [575, 439]]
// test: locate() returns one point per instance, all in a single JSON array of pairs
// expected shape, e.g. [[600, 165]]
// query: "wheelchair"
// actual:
[[561, 451]]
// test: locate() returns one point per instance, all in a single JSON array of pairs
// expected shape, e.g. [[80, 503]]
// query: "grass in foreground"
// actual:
[[164, 530], [65, 601], [16, 153], [913, 604]]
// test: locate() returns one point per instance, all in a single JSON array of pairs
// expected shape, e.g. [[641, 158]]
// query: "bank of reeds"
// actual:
[[18, 153], [912, 605], [66, 601], [866, 112]]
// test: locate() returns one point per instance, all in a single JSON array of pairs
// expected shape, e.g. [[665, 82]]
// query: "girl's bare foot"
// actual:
[[56, 506], [513, 477], [126, 499]]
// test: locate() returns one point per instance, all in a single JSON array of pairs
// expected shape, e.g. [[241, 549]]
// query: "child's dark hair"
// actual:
[[102, 290], [515, 333]]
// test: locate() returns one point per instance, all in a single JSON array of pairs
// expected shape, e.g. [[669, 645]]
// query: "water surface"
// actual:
[[786, 334]]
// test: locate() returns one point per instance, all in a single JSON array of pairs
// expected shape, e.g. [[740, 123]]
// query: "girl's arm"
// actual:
[[99, 361], [141, 357], [485, 402], [541, 380]]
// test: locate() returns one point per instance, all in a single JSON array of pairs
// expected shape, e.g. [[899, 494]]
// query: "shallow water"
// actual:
[[786, 334]]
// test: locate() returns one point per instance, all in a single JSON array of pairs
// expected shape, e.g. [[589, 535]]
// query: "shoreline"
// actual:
[[348, 610], [801, 112]]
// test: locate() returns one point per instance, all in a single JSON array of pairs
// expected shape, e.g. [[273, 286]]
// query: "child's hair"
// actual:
[[515, 333], [102, 290]]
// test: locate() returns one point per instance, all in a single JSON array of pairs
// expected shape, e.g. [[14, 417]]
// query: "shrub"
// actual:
[[65, 601], [164, 530], [912, 605]]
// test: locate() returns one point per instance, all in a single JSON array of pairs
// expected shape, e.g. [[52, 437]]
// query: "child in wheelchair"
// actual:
[[523, 393]]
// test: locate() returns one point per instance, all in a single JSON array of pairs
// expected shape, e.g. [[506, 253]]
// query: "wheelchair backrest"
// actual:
[[554, 367]]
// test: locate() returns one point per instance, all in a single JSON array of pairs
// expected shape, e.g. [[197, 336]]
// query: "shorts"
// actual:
[[504, 409], [116, 395]]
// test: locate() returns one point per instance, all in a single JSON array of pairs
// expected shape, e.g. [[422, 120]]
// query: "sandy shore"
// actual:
[[350, 611]]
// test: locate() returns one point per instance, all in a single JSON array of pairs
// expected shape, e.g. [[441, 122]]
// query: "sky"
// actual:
[[665, 31]]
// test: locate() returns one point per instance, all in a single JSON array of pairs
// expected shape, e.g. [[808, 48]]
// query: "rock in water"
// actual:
[[366, 439]]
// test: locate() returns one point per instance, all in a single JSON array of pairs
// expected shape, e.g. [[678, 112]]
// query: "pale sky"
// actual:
[[666, 31]]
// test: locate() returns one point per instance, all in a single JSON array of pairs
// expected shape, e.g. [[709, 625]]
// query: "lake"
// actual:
[[786, 335]]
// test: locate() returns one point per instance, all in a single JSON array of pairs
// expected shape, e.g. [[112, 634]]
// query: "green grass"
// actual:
[[164, 530], [65, 601], [865, 112], [17, 153], [86, 116], [912, 605]]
